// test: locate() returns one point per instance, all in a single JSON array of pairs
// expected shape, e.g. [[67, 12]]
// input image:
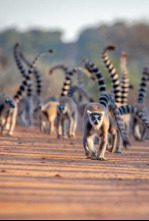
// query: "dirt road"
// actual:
[[46, 178]]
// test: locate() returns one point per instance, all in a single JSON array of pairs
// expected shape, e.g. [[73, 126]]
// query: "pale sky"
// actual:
[[71, 16]]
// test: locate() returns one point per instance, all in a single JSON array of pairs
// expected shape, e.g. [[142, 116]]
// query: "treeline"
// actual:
[[131, 38]]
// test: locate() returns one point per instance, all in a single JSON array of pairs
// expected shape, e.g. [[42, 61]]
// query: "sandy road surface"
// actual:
[[44, 178]]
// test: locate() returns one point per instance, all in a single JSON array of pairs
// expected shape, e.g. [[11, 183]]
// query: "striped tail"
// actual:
[[23, 71], [125, 85], [107, 101], [143, 86], [73, 89], [92, 68], [60, 66], [129, 109], [36, 74], [67, 83], [20, 93], [32, 66], [113, 74]]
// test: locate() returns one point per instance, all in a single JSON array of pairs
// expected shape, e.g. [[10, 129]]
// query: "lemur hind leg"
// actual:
[[114, 143], [51, 128], [64, 135], [12, 122], [119, 143], [75, 124], [86, 150], [71, 125], [59, 127]]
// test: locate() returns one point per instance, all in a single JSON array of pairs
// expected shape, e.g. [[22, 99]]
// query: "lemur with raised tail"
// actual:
[[91, 67], [9, 109], [99, 120], [26, 106], [67, 110]]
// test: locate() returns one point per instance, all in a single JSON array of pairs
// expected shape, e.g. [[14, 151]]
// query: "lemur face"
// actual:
[[62, 108], [95, 119]]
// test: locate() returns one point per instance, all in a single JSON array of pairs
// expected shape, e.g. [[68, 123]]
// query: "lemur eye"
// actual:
[[93, 118]]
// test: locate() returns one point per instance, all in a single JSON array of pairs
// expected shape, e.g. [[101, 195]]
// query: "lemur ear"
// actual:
[[102, 113], [89, 112]]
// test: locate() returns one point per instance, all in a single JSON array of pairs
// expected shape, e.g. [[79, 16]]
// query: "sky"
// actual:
[[70, 16]]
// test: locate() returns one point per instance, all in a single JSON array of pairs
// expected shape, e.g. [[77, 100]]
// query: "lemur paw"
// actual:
[[87, 154], [102, 159], [94, 157], [88, 157], [10, 134], [65, 137], [110, 150], [118, 151], [71, 136]]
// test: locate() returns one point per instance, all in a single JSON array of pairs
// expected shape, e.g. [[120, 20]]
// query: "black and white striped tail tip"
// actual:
[[110, 48], [51, 50]]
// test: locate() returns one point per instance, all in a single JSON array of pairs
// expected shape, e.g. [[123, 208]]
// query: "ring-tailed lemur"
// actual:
[[102, 88], [9, 108], [6, 104], [139, 132], [67, 110], [31, 70], [100, 119], [48, 115]]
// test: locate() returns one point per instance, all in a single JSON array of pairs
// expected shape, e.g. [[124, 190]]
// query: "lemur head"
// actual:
[[9, 102], [95, 118], [62, 108]]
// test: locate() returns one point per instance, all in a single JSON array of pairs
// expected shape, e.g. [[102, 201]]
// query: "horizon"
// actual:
[[72, 18]]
